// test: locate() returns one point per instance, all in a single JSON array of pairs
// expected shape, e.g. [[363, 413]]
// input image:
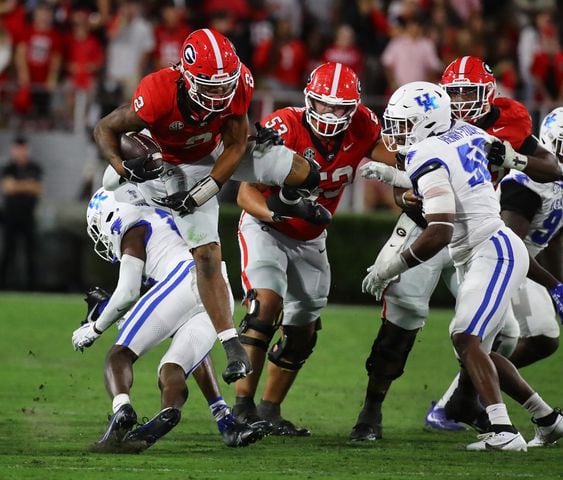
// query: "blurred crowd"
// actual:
[[57, 53]]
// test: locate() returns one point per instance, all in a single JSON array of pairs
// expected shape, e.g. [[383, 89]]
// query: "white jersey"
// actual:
[[461, 151], [548, 219], [164, 245]]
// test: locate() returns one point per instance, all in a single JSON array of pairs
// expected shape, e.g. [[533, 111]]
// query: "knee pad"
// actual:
[[290, 352], [251, 322], [390, 351]]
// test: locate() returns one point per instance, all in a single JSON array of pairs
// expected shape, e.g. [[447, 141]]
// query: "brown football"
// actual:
[[135, 144]]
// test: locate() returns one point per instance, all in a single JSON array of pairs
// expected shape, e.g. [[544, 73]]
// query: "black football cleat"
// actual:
[[362, 432], [155, 428], [304, 208], [240, 434], [119, 424], [280, 426], [466, 408], [238, 363]]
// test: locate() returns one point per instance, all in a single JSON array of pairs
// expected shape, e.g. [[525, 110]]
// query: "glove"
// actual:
[[501, 154], [135, 169], [181, 202], [265, 135], [186, 202], [557, 296], [374, 284], [96, 299], [84, 336], [385, 173]]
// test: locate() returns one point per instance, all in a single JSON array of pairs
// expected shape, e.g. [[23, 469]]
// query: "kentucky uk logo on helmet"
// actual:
[[426, 101]]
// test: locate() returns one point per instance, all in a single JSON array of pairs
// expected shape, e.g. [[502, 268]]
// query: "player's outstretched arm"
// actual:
[[107, 134]]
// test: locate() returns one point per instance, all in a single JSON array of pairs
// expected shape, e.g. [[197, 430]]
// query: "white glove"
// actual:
[[381, 274], [385, 173], [374, 284], [84, 336]]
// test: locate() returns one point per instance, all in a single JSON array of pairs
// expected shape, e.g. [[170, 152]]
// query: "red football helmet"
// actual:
[[332, 96], [471, 85], [211, 69]]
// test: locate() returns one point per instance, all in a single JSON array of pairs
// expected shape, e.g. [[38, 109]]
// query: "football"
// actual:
[[135, 144]]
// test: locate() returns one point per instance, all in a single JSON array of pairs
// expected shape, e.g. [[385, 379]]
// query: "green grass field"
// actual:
[[53, 404]]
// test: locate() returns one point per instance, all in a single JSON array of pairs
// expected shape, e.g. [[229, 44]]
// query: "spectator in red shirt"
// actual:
[[84, 59], [38, 60], [547, 67], [170, 32], [344, 50], [281, 61]]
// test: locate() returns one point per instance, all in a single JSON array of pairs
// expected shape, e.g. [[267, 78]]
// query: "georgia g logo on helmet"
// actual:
[[189, 54]]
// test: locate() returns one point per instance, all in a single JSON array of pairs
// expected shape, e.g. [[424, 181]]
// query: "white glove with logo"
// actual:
[[385, 173], [84, 336], [381, 274]]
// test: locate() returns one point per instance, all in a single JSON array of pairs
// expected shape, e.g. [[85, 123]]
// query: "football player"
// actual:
[[285, 269], [197, 112], [405, 302], [447, 165], [150, 250]]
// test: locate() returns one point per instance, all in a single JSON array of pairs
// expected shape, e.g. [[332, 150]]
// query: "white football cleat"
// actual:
[[499, 441], [548, 435]]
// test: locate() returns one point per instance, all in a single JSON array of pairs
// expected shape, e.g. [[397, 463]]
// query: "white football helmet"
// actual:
[[551, 132], [101, 209], [414, 112]]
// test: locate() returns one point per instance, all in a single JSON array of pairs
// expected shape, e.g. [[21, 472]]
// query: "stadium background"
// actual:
[[98, 49]]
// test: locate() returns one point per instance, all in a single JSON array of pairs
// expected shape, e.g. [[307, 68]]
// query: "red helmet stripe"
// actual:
[[462, 65], [216, 51], [335, 80]]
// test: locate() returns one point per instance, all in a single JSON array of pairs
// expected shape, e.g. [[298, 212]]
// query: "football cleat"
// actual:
[[549, 434], [303, 208], [499, 441], [280, 426], [468, 410], [119, 424], [239, 434], [436, 419], [155, 428], [362, 432], [238, 363]]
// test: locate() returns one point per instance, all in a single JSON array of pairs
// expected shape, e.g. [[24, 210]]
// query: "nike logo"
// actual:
[[323, 250], [497, 129], [347, 147]]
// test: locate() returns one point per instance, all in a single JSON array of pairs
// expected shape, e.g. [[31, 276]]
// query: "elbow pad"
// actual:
[[437, 193]]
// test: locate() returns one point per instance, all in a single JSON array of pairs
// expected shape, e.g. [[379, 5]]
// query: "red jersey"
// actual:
[[184, 140], [42, 47], [338, 166], [508, 120], [169, 43]]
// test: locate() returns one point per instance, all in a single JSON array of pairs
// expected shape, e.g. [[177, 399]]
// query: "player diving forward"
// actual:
[[150, 249], [197, 112], [447, 165]]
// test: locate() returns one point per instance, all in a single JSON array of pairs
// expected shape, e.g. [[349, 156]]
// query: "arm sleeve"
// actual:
[[126, 293], [517, 198], [436, 190]]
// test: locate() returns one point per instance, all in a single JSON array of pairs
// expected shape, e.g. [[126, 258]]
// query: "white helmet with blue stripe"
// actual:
[[414, 112], [551, 132]]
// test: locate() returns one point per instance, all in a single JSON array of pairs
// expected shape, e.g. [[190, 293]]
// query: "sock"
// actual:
[[498, 415], [221, 412], [537, 407], [119, 400], [448, 393], [371, 412]]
